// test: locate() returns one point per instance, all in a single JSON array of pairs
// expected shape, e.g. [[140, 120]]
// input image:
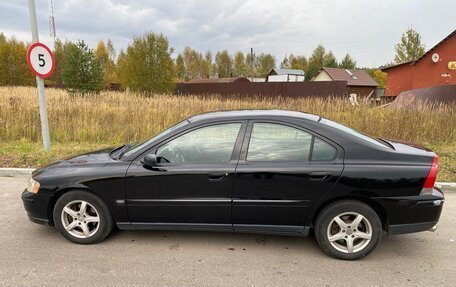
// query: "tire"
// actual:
[[337, 234], [82, 217]]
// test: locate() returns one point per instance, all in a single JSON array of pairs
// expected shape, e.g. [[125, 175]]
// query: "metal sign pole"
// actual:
[[40, 82]]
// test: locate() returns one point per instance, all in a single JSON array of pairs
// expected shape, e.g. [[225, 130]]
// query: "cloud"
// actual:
[[367, 30]]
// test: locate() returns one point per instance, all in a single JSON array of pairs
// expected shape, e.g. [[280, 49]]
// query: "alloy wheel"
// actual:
[[349, 232], [80, 219]]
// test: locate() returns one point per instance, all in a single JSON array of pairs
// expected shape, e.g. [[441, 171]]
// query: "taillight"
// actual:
[[430, 179]]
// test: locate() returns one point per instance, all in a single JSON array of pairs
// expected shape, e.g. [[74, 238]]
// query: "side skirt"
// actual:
[[288, 230], [175, 226], [238, 228]]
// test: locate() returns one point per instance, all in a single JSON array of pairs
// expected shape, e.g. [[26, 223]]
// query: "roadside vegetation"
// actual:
[[80, 124], [150, 65]]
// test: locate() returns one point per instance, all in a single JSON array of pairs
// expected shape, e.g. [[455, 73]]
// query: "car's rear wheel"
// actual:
[[348, 230], [82, 217]]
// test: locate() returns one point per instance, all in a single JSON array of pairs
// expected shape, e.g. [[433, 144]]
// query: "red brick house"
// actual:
[[436, 67]]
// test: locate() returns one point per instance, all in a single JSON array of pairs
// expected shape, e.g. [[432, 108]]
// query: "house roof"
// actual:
[[396, 65], [353, 77], [435, 47], [219, 80], [411, 63], [286, 72]]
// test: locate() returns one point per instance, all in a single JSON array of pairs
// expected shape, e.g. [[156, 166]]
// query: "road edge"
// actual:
[[13, 172], [446, 186]]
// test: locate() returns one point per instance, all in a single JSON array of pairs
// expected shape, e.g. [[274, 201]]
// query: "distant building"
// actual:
[[285, 75], [358, 81], [257, 79], [436, 67]]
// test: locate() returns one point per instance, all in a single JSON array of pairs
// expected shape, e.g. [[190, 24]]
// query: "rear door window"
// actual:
[[276, 142], [271, 142]]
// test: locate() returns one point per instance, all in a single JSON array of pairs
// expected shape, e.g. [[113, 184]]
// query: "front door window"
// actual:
[[209, 145]]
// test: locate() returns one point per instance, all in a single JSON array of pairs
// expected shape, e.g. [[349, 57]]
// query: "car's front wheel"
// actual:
[[348, 230], [82, 217]]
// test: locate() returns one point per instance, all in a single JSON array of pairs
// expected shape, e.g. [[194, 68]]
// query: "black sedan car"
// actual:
[[261, 171]]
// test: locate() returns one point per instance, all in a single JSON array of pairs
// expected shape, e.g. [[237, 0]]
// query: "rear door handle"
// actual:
[[217, 176], [320, 175]]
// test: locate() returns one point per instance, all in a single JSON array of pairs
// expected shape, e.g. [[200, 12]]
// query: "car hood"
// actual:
[[98, 157]]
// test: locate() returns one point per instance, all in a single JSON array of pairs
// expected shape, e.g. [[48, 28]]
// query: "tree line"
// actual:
[[192, 64], [13, 65], [146, 65]]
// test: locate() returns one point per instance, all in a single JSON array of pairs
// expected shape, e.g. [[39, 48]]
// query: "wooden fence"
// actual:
[[266, 89]]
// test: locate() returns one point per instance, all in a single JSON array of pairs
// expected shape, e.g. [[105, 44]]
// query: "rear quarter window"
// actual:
[[354, 133], [322, 151]]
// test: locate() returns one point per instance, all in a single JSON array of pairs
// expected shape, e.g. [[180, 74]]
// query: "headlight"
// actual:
[[33, 186]]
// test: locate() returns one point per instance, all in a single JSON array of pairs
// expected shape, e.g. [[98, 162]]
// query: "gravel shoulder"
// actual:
[[37, 255]]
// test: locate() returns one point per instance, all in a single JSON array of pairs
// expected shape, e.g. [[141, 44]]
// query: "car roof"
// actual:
[[253, 114]]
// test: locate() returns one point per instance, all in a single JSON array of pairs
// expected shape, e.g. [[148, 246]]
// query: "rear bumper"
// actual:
[[410, 228], [410, 214], [36, 206]]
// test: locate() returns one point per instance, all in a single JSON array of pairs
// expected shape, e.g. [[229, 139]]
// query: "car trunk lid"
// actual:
[[427, 155], [409, 148]]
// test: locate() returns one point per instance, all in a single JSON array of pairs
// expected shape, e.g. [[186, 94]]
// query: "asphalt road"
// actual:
[[32, 254]]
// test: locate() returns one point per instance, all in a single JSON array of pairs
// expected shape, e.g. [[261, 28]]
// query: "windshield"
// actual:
[[352, 132], [160, 135]]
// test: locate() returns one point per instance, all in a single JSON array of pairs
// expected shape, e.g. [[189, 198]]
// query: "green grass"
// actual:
[[447, 161], [80, 124], [25, 153]]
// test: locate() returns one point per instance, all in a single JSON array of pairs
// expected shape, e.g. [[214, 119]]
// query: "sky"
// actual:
[[368, 30]]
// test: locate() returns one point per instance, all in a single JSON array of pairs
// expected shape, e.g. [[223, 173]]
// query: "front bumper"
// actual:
[[410, 214], [37, 207]]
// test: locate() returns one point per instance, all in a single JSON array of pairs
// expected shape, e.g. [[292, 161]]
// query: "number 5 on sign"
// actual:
[[40, 60]]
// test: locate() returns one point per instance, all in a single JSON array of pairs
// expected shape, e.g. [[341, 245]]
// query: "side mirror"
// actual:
[[150, 160]]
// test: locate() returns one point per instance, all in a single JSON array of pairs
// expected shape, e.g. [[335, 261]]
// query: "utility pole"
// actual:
[[251, 62], [40, 82], [51, 21]]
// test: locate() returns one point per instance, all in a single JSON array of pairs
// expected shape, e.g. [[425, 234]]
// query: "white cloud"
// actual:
[[367, 30]]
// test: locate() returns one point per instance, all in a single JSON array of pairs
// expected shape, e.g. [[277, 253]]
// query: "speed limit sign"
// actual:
[[40, 60]]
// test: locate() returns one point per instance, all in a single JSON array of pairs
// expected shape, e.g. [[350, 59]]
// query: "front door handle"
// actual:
[[320, 175], [217, 176]]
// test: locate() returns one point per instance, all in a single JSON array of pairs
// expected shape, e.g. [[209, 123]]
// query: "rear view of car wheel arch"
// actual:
[[348, 229], [82, 217]]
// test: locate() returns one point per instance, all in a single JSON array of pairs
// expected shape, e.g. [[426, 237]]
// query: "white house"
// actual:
[[286, 75]]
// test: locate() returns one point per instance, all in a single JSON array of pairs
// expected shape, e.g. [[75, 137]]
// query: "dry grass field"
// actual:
[[80, 124]]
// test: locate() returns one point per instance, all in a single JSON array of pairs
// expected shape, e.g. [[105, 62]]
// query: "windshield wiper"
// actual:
[[123, 150], [111, 153]]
